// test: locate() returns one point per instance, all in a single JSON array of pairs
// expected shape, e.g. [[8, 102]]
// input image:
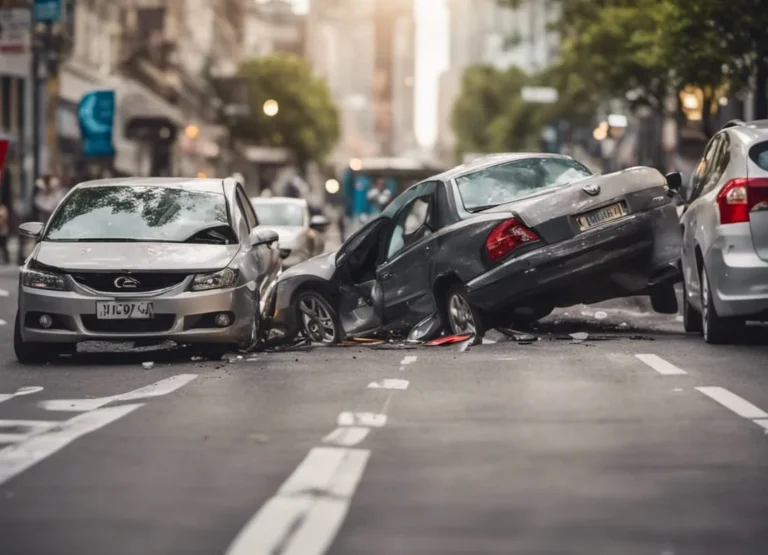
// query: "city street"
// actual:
[[639, 440]]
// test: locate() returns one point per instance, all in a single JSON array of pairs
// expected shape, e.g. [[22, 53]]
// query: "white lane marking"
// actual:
[[369, 419], [410, 359], [157, 389], [17, 458], [347, 436], [3, 322], [763, 423], [733, 402], [4, 293], [660, 365], [29, 427], [389, 383], [305, 515], [487, 341], [19, 392]]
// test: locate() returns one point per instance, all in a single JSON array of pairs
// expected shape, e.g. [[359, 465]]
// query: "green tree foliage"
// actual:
[[307, 122]]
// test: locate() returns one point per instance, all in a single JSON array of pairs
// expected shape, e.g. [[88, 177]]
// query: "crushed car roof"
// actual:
[[205, 185], [493, 160]]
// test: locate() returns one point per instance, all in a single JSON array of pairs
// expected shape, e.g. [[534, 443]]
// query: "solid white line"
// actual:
[[660, 365], [17, 458], [157, 389], [763, 423], [347, 436], [369, 419], [308, 510], [733, 402], [389, 383]]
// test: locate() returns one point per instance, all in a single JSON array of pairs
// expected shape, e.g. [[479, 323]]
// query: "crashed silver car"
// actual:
[[498, 242], [146, 259]]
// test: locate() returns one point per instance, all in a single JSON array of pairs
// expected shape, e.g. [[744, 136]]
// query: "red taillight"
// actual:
[[506, 237], [741, 196]]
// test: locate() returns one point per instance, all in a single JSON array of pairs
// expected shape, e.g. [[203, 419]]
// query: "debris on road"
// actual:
[[600, 315], [579, 337], [429, 328], [519, 336], [148, 365], [449, 340]]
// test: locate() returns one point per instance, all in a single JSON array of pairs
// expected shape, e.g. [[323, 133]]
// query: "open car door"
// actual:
[[361, 303]]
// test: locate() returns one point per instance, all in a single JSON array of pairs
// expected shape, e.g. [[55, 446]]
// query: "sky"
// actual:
[[431, 61]]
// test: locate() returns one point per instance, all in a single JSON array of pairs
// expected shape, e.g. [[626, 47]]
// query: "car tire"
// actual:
[[317, 319], [716, 329], [32, 353], [691, 317], [664, 299], [461, 316]]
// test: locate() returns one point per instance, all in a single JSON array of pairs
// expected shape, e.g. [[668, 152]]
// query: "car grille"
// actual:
[[160, 323], [115, 282]]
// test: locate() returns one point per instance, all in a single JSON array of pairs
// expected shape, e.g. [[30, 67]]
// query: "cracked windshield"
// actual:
[[309, 277]]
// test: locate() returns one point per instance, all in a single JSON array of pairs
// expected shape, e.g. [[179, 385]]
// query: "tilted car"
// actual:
[[503, 240], [725, 238], [146, 259], [301, 234]]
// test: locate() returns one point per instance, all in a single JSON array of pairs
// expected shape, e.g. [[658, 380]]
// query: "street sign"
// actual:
[[96, 114], [539, 95], [15, 28], [47, 11]]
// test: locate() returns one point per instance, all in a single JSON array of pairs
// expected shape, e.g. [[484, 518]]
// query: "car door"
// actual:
[[405, 275], [265, 259]]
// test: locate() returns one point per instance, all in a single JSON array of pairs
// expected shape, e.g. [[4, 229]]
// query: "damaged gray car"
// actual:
[[499, 242]]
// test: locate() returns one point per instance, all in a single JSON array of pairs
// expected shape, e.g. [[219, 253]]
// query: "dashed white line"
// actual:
[[389, 383], [660, 365], [370, 419], [733, 402], [157, 389], [4, 293], [347, 436], [18, 457], [20, 392], [410, 359], [305, 515]]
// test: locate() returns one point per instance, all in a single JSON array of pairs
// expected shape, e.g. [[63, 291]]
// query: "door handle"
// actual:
[[386, 275]]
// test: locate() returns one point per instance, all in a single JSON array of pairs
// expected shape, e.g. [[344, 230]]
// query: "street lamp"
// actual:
[[271, 108]]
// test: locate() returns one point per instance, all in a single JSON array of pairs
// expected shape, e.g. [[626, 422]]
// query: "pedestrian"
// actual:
[[48, 195], [379, 196]]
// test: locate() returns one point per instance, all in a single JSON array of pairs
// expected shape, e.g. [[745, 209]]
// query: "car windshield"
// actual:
[[279, 213], [136, 213], [514, 180]]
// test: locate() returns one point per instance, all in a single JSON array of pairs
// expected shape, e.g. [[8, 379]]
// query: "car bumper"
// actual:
[[643, 249], [738, 277], [183, 316]]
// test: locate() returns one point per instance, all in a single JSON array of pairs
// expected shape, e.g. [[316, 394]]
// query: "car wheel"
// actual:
[[691, 317], [462, 316], [664, 299], [319, 320], [32, 353], [716, 329]]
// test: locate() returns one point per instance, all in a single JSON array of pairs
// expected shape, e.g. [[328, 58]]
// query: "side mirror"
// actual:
[[319, 222], [674, 181], [31, 229], [263, 237]]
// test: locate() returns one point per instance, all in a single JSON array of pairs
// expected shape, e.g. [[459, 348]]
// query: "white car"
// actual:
[[301, 234]]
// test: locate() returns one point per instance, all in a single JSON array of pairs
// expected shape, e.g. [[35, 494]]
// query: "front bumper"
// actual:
[[644, 248], [180, 315]]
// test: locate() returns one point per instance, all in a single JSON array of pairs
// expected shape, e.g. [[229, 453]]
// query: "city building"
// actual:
[[273, 26]]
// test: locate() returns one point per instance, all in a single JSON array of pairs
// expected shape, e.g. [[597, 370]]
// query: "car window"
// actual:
[[280, 213], [703, 170], [137, 213], [248, 212], [514, 180], [719, 164], [240, 218], [759, 155], [413, 223]]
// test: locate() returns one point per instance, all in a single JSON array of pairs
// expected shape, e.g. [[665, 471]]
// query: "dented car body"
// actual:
[[501, 241]]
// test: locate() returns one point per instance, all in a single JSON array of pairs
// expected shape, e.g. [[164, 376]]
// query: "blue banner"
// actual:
[[96, 114], [48, 11]]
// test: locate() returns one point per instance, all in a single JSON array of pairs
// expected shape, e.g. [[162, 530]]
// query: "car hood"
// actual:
[[322, 266], [288, 235], [134, 256]]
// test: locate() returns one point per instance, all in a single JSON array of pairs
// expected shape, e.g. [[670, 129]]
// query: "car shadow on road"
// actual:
[[146, 357]]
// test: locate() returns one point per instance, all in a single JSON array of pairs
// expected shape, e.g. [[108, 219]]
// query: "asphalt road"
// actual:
[[652, 445]]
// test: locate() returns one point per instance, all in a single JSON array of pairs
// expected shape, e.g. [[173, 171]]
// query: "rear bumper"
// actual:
[[738, 277], [641, 250]]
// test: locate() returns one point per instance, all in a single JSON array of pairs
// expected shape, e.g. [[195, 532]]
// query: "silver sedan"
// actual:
[[146, 259]]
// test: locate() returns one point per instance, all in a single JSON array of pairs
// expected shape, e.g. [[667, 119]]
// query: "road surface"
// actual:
[[642, 441]]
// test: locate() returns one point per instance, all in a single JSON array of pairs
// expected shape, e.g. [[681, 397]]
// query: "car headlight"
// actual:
[[43, 279], [223, 279]]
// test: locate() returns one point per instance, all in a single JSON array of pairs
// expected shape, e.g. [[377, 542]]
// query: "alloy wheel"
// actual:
[[460, 315], [317, 319]]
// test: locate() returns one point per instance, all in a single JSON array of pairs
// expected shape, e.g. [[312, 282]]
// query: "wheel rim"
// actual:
[[705, 303], [317, 320], [460, 315]]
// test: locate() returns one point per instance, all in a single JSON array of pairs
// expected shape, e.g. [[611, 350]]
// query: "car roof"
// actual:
[[748, 132], [279, 200], [208, 185], [493, 160]]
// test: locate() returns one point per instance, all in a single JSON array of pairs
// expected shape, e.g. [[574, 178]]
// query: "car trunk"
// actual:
[[563, 213], [757, 194]]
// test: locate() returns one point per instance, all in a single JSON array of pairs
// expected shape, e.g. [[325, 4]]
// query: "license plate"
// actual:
[[612, 212], [124, 310]]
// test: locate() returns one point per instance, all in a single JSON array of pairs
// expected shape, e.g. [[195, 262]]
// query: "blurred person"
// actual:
[[379, 196], [49, 194]]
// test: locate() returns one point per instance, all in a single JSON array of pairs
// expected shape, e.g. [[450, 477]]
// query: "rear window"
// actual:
[[759, 155], [134, 213]]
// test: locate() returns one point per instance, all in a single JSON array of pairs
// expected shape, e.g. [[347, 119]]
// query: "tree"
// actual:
[[307, 122]]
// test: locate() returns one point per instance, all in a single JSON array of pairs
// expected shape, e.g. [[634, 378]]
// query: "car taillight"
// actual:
[[506, 237], [741, 196]]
